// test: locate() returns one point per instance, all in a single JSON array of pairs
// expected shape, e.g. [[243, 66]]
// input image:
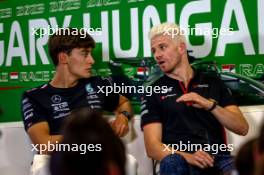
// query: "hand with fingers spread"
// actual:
[[200, 159], [195, 100], [120, 125]]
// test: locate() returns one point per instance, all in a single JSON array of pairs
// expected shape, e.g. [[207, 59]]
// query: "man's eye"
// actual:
[[85, 54], [162, 47]]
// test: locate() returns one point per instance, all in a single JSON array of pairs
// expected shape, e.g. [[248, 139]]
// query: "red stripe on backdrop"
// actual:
[[13, 73], [10, 88]]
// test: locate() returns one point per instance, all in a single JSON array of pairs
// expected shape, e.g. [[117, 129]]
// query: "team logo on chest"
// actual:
[[200, 85], [167, 90], [56, 99], [167, 96], [89, 88], [58, 105]]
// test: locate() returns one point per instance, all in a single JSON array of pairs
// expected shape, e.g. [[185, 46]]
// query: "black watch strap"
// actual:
[[215, 103]]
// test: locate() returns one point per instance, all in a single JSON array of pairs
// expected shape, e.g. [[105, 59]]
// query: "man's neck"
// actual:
[[62, 79], [183, 74]]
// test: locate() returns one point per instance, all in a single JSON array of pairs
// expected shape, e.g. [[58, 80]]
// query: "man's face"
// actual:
[[80, 62], [165, 51]]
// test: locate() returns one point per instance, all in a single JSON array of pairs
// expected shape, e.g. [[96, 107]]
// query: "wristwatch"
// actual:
[[215, 103], [127, 114]]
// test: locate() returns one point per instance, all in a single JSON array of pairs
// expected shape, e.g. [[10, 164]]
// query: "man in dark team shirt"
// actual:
[[184, 127], [44, 108]]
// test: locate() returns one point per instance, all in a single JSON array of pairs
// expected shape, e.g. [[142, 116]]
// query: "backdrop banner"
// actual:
[[230, 32]]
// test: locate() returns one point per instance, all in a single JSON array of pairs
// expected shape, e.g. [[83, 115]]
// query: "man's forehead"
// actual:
[[85, 49], [161, 39]]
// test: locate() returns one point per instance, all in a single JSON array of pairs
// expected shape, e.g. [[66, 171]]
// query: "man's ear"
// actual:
[[182, 48], [62, 58]]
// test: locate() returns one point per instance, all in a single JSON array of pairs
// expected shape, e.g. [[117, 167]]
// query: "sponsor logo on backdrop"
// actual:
[[98, 3], [31, 9], [142, 71], [13, 75], [5, 13], [37, 76], [59, 6], [229, 68], [44, 14], [251, 70]]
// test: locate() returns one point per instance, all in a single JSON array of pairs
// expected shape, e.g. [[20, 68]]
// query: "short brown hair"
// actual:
[[86, 126], [66, 39]]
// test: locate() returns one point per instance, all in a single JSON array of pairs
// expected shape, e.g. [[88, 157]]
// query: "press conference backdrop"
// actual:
[[230, 32]]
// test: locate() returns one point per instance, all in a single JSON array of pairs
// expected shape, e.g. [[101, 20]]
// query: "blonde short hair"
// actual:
[[170, 29]]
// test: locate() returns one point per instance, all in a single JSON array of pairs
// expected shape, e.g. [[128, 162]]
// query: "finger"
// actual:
[[188, 97], [187, 101], [115, 126], [199, 164], [124, 130], [119, 129], [183, 98], [206, 162], [196, 105], [208, 157], [201, 160]]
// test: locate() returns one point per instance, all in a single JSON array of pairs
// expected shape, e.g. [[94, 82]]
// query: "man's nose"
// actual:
[[90, 59], [158, 55]]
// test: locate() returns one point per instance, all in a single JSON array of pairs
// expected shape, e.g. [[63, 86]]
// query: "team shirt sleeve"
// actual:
[[31, 111], [150, 110], [226, 97], [111, 100]]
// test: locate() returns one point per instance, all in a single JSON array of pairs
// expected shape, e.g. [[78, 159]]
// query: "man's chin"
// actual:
[[87, 75], [164, 70]]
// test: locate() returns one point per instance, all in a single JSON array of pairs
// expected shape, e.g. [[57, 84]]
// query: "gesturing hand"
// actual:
[[195, 100]]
